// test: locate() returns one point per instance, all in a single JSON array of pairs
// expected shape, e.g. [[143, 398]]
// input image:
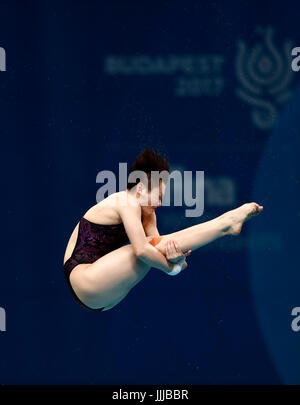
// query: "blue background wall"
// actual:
[[74, 100]]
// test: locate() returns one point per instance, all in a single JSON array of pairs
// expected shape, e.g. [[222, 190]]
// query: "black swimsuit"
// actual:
[[93, 241]]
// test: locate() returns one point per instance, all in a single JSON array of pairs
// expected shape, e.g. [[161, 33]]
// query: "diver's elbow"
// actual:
[[141, 252]]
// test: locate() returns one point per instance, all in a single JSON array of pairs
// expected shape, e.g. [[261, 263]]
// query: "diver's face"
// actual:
[[153, 199]]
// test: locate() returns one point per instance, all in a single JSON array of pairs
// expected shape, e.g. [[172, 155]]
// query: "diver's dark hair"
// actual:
[[148, 160]]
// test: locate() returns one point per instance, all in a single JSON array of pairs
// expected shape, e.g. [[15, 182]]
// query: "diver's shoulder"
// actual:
[[127, 199]]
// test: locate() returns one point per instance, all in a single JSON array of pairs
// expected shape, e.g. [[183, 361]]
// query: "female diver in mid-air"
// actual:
[[99, 266]]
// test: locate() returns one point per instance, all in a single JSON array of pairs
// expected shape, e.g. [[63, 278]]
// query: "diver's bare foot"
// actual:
[[242, 214]]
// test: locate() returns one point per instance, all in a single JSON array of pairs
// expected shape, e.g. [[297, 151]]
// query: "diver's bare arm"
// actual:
[[131, 217]]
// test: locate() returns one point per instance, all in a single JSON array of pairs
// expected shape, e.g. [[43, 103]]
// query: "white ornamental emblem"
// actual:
[[264, 74]]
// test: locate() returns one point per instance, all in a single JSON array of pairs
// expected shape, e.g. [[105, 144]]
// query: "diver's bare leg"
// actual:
[[199, 235]]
